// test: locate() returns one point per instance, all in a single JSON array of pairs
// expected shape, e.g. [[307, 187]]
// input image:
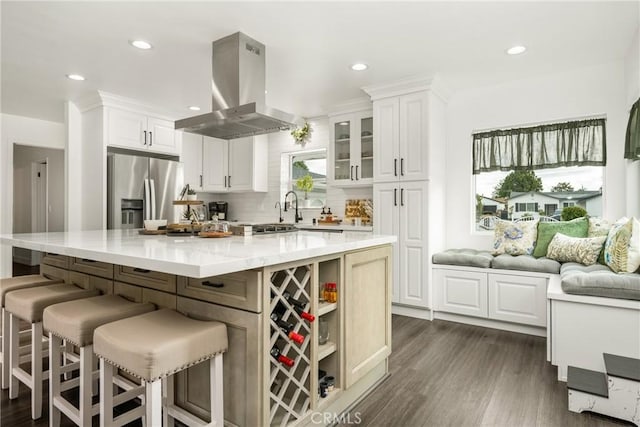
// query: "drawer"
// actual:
[[240, 290], [160, 299], [147, 278], [130, 292], [51, 272], [86, 281], [55, 260], [94, 268]]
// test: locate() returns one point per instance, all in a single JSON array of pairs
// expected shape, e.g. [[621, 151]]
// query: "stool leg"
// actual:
[[86, 384], [5, 349], [95, 366], [169, 400], [217, 397], [106, 394], [14, 354], [54, 378], [36, 370], [153, 406], [68, 348]]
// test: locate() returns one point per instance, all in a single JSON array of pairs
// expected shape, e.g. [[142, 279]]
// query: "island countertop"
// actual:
[[193, 256]]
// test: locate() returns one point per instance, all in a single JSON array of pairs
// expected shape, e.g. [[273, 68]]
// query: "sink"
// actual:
[[273, 228]]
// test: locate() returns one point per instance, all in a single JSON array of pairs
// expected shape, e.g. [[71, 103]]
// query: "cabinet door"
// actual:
[[386, 122], [414, 141], [460, 292], [365, 167], [191, 159], [414, 257], [242, 366], [241, 164], [126, 129], [519, 299], [341, 132], [161, 136], [215, 161], [367, 308], [385, 221]]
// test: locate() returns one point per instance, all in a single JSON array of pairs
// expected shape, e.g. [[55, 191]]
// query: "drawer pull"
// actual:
[[141, 270], [212, 285], [88, 260]]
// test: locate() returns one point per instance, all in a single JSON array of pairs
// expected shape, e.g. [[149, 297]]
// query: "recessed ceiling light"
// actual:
[[516, 50], [77, 77], [359, 66], [194, 108], [140, 44]]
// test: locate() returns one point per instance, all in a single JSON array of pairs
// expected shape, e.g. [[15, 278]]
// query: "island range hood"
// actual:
[[238, 86]]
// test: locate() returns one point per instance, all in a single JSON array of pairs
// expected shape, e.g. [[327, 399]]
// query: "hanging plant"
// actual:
[[301, 135]]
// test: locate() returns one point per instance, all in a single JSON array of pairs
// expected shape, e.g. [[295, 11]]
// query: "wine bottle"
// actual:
[[277, 354], [286, 327], [299, 307]]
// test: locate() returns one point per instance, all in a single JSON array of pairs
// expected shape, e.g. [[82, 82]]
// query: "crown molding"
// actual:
[[353, 105], [106, 99], [408, 85]]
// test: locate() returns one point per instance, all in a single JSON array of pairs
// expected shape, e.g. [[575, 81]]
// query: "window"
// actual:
[[526, 207], [305, 173]]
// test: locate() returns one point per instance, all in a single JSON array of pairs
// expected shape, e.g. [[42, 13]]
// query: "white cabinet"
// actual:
[[401, 210], [220, 166], [351, 149], [516, 298], [401, 138], [137, 131]]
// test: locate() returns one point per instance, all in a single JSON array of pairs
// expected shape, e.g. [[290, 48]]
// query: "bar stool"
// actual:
[[29, 304], [74, 322], [8, 285], [153, 347]]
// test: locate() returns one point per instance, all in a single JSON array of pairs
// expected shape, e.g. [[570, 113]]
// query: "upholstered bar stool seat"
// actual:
[[153, 347], [29, 304], [8, 285], [75, 322]]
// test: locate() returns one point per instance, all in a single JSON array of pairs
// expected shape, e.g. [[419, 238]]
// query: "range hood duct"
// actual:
[[238, 86]]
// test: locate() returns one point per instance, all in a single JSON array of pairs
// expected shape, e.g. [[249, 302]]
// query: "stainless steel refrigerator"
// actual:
[[141, 187]]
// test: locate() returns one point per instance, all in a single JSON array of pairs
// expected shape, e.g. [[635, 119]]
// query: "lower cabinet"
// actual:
[[516, 298]]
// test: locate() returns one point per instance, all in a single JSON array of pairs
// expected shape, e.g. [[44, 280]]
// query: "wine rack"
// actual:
[[290, 387]]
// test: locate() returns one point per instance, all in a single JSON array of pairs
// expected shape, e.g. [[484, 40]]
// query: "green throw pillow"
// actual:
[[578, 227]]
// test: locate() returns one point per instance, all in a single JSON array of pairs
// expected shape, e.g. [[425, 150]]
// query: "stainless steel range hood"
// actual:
[[238, 86]]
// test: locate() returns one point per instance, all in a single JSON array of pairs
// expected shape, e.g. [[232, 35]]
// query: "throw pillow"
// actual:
[[584, 250], [578, 227], [515, 238], [599, 227], [622, 248]]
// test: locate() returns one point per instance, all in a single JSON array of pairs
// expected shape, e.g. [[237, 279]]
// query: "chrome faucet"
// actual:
[[298, 216], [279, 205]]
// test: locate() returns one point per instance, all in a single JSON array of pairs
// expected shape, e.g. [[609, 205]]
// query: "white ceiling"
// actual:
[[309, 47]]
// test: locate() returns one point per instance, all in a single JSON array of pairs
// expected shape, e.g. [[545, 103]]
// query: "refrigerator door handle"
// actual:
[[147, 200], [153, 199]]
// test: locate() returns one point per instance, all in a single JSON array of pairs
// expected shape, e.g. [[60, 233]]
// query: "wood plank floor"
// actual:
[[442, 374]]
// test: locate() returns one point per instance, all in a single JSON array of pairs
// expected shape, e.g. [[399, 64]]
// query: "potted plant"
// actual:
[[191, 194], [305, 184]]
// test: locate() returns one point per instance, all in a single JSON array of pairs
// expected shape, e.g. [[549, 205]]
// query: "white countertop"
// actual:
[[345, 227], [194, 256]]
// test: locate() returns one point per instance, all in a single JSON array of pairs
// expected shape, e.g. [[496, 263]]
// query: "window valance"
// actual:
[[576, 143], [632, 140]]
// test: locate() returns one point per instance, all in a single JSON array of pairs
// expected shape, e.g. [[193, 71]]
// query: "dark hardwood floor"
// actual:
[[442, 374]]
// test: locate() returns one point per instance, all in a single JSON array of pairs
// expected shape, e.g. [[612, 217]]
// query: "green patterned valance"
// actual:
[[632, 140], [577, 143]]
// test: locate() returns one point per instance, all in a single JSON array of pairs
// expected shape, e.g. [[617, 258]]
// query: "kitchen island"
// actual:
[[243, 282]]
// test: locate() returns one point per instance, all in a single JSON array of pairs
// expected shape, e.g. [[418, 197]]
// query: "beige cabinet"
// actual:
[[129, 129], [367, 311]]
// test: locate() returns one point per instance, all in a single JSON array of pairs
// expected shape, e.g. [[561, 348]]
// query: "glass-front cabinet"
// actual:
[[352, 149]]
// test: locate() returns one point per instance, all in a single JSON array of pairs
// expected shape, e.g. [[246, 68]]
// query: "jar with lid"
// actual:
[[330, 292]]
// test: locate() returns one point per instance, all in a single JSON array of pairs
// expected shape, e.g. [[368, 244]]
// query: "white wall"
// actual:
[[24, 131], [632, 89], [260, 207], [582, 92]]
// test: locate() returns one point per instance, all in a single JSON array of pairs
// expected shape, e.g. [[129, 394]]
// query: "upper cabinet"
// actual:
[[137, 131], [351, 150]]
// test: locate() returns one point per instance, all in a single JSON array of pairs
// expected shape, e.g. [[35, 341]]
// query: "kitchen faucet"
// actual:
[[279, 205], [298, 216]]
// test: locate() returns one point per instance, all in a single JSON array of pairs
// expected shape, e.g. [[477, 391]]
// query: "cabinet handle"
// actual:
[[88, 260], [402, 197], [212, 285], [395, 167], [395, 197], [225, 181], [145, 137], [200, 181], [351, 173], [357, 173], [229, 180], [141, 270], [402, 166], [150, 138]]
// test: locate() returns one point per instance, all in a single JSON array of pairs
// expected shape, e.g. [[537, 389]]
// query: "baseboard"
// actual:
[[418, 313], [493, 324]]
